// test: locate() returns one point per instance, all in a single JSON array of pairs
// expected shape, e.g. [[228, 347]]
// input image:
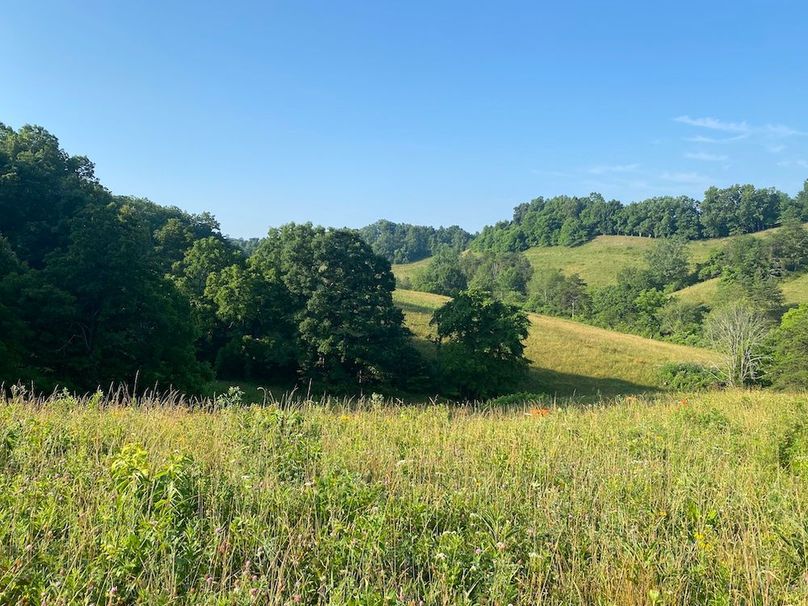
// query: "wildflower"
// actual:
[[478, 551], [500, 546], [440, 556], [296, 598], [253, 592]]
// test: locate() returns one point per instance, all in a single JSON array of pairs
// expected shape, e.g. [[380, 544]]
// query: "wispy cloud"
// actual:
[[706, 157], [605, 169], [687, 178], [715, 124], [550, 173], [799, 163], [703, 139], [742, 129]]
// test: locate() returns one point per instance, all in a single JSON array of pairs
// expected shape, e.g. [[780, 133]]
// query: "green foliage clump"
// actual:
[[789, 361], [687, 376], [555, 294], [405, 243], [443, 276], [481, 349], [503, 275]]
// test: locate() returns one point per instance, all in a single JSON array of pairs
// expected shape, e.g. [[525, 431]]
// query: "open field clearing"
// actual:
[[795, 291], [407, 271], [679, 500], [569, 358]]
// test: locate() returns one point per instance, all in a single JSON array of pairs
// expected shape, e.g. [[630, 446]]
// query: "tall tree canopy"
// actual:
[[481, 339], [98, 288]]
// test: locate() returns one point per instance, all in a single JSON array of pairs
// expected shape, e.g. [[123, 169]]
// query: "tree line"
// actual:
[[405, 243], [571, 220], [97, 288]]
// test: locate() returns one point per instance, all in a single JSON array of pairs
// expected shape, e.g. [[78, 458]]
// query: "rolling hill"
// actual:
[[601, 260], [568, 358]]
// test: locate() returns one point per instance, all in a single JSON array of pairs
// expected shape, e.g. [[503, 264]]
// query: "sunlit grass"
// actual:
[[697, 499]]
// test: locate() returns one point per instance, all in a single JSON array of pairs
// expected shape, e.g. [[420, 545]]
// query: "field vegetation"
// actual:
[[696, 499]]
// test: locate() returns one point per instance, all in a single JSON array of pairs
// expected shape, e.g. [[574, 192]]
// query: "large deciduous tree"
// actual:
[[481, 349]]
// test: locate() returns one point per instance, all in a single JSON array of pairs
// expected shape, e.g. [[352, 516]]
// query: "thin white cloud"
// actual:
[[550, 173], [605, 169], [687, 178], [779, 130], [706, 157], [703, 139], [794, 163], [743, 129], [715, 124], [775, 149]]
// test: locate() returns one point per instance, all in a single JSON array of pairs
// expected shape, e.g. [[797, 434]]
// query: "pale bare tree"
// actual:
[[738, 332]]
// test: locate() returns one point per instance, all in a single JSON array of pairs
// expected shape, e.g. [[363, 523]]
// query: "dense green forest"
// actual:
[[404, 243], [97, 289], [570, 220]]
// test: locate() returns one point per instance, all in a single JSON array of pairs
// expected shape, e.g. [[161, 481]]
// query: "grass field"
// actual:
[[407, 271], [795, 291], [682, 500], [569, 358]]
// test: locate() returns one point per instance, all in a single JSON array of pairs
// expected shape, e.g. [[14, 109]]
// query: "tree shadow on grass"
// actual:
[[559, 384], [567, 385]]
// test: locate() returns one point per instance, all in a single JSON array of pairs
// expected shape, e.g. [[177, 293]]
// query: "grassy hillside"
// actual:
[[795, 291], [408, 270], [683, 500], [569, 358], [601, 260]]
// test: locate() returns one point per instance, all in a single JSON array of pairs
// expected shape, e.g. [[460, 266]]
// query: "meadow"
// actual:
[[696, 499], [795, 291]]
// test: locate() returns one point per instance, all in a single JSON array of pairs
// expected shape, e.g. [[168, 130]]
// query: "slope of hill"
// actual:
[[568, 358], [598, 262], [406, 271], [795, 291]]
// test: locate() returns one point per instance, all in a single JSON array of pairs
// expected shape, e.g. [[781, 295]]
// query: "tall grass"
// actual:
[[668, 501]]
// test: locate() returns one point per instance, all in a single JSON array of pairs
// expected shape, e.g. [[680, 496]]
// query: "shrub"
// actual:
[[687, 376]]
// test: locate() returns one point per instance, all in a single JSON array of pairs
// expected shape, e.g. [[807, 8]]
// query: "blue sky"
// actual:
[[427, 112]]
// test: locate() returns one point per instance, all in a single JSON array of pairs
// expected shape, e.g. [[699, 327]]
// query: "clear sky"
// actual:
[[343, 112]]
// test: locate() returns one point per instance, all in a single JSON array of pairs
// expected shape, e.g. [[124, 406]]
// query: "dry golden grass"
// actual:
[[569, 358]]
